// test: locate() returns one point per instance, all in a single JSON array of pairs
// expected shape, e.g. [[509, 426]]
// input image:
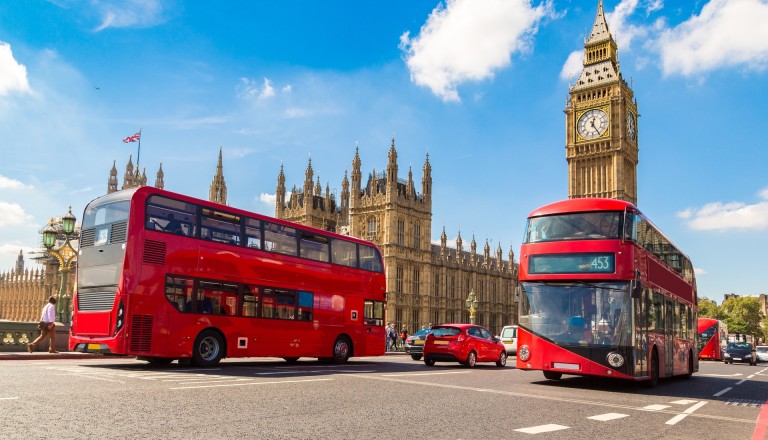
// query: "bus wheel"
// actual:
[[471, 360], [342, 350], [502, 362], [688, 374], [291, 360], [654, 380], [208, 349], [159, 361], [552, 375], [416, 357]]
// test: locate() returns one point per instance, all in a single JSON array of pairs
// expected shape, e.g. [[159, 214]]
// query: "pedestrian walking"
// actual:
[[47, 327], [404, 335], [392, 337]]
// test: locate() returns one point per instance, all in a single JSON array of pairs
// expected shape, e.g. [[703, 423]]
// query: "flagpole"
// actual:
[[138, 155]]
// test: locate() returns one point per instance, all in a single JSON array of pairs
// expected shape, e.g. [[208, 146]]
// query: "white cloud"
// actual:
[[8, 183], [249, 88], [13, 76], [267, 91], [573, 65], [699, 271], [10, 251], [12, 214], [287, 88], [726, 33], [467, 40], [128, 13], [731, 215], [268, 199]]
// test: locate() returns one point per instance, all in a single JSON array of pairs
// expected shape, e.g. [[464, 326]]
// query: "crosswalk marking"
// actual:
[[608, 416], [542, 428]]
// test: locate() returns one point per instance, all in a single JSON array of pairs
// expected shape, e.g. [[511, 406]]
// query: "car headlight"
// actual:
[[615, 359], [523, 353], [727, 355]]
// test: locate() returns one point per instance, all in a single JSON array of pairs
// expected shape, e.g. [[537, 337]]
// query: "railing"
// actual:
[[14, 336]]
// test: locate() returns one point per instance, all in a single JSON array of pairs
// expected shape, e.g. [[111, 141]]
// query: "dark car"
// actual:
[[740, 352], [466, 344], [414, 344]]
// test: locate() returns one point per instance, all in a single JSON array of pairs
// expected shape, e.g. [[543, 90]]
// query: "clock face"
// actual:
[[593, 123], [631, 127]]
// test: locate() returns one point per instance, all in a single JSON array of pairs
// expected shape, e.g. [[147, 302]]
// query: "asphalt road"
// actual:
[[390, 397]]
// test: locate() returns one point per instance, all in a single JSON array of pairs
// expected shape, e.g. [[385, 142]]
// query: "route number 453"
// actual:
[[601, 263]]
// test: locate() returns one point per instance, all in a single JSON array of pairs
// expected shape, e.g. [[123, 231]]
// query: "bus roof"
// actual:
[[582, 205]]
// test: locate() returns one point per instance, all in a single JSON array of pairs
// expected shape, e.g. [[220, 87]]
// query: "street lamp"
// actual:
[[63, 230], [472, 304]]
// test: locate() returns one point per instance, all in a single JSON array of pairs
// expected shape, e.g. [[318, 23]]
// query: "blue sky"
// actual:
[[480, 85]]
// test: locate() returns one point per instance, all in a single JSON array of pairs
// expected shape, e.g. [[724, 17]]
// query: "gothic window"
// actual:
[[416, 279], [400, 232], [416, 235], [399, 279], [371, 236]]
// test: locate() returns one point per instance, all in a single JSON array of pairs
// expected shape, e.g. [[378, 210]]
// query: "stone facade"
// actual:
[[426, 283], [601, 123]]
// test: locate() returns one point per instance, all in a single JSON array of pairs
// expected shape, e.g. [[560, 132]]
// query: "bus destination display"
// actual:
[[572, 263]]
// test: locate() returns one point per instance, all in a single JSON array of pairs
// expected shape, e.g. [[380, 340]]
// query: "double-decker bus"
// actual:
[[604, 293], [713, 334], [163, 276]]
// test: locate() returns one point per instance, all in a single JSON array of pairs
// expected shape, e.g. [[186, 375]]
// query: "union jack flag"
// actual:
[[135, 138]]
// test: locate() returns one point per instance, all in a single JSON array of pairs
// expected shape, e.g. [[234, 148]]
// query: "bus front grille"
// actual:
[[141, 333], [87, 237], [96, 301], [118, 232]]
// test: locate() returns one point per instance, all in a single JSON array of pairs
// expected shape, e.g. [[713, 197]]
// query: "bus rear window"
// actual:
[[104, 214]]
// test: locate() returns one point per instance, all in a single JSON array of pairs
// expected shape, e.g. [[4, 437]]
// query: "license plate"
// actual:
[[94, 346], [442, 342], [418, 342], [736, 359]]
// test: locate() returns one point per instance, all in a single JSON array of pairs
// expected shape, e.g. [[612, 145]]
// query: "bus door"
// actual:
[[669, 340]]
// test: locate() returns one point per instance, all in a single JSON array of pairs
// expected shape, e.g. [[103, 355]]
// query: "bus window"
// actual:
[[306, 302], [220, 226], [217, 298], [369, 259], [313, 246], [173, 216], [253, 233], [250, 301], [374, 312], [179, 292], [280, 239], [278, 303], [343, 253]]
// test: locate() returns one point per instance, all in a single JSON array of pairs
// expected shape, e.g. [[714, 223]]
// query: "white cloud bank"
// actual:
[[8, 183], [731, 215], [12, 214], [727, 33], [467, 40], [128, 13], [13, 76]]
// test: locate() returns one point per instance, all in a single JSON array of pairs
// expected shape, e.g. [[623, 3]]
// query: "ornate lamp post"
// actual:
[[472, 304], [56, 239]]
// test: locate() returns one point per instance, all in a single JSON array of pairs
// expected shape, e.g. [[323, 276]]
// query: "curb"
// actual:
[[6, 356]]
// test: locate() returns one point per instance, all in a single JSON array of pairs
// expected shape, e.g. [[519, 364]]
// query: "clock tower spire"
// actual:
[[601, 123]]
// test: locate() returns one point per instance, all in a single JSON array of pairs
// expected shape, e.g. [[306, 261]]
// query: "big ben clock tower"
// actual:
[[601, 123]]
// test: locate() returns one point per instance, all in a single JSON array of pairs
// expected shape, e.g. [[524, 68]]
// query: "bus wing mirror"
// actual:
[[635, 288]]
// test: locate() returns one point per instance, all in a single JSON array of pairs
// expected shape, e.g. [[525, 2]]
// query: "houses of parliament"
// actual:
[[426, 282]]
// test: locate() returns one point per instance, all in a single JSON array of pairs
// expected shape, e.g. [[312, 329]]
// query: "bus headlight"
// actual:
[[615, 359], [523, 353]]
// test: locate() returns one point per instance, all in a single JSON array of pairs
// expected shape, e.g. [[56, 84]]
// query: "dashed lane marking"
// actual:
[[542, 428], [745, 402], [684, 402], [721, 392], [423, 374], [271, 373], [742, 381], [655, 407], [608, 416], [721, 375], [8, 398], [250, 383], [685, 413]]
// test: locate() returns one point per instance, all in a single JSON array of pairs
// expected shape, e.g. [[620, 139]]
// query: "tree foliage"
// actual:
[[710, 309], [743, 315]]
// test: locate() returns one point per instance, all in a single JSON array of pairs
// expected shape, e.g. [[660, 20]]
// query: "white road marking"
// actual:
[[741, 381], [250, 383], [721, 375], [608, 417], [313, 371], [685, 413], [423, 374], [655, 407], [721, 392], [214, 380], [8, 398], [543, 428], [684, 402], [88, 376]]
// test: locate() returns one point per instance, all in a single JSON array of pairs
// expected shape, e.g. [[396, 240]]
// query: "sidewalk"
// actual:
[[38, 355]]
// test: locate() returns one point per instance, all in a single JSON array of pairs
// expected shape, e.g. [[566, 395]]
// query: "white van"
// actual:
[[508, 336]]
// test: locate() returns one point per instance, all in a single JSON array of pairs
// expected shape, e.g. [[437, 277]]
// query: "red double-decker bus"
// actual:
[[604, 293], [712, 334], [163, 276]]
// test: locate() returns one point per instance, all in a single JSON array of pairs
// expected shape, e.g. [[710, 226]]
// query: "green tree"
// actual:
[[743, 315], [710, 309]]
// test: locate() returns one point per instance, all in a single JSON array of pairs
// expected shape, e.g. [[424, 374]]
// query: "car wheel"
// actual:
[[552, 375], [471, 360], [429, 362], [416, 357], [208, 349], [502, 359]]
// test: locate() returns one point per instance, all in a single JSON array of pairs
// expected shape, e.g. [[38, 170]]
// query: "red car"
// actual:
[[466, 344]]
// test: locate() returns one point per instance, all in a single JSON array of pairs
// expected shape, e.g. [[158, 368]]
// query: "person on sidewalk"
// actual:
[[47, 327]]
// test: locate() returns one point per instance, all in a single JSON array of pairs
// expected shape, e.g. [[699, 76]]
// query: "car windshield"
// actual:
[[421, 333], [739, 346], [579, 226], [445, 331], [762, 349], [508, 332]]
